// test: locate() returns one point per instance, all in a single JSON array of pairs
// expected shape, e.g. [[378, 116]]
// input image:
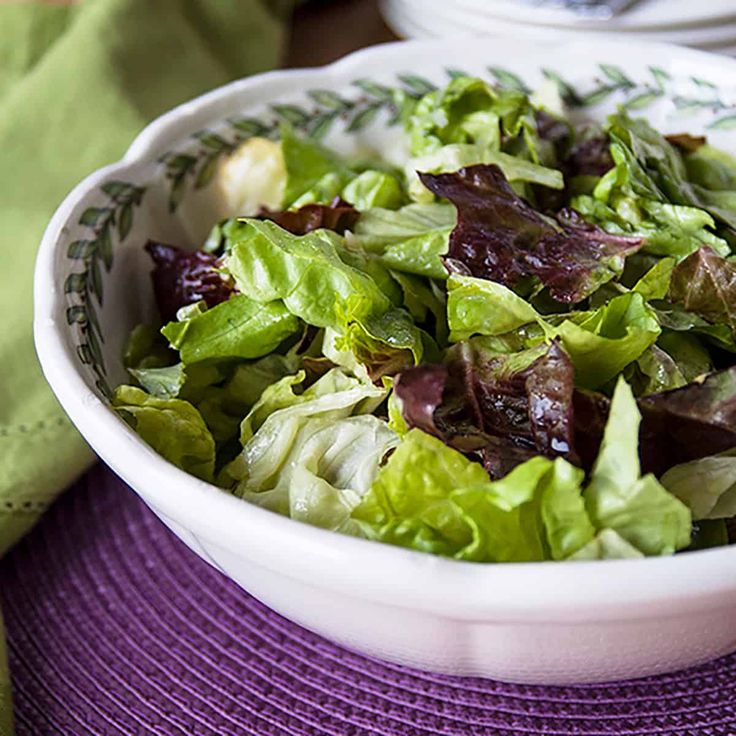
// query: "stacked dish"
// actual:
[[709, 26]]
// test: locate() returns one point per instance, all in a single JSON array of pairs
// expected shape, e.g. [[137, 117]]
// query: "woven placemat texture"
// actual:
[[115, 627]]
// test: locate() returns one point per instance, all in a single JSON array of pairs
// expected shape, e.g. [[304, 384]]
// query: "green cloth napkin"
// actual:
[[77, 83]]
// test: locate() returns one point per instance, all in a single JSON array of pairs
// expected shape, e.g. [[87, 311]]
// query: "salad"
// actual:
[[517, 345]]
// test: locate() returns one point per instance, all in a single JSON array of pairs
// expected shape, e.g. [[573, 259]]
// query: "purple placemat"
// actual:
[[115, 627]]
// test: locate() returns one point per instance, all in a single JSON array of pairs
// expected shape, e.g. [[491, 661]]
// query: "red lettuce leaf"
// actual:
[[688, 423], [500, 237], [591, 157], [705, 284], [475, 404], [338, 216], [182, 277], [677, 426]]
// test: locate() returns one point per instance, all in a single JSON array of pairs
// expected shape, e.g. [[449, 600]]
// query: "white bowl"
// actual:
[[537, 623], [437, 19]]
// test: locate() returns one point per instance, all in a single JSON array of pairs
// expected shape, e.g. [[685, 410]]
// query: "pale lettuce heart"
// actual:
[[312, 455]]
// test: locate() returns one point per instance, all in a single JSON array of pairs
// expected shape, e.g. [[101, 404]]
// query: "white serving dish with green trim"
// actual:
[[534, 622]]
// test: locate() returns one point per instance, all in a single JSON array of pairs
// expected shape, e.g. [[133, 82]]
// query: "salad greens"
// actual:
[[520, 347]]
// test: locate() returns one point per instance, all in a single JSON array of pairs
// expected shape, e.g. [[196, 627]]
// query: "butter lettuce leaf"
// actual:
[[600, 343], [238, 328], [429, 497], [305, 272], [311, 454], [172, 427], [412, 239], [639, 509], [314, 174], [707, 486]]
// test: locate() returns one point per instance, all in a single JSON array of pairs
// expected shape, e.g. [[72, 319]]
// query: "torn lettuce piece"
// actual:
[[458, 156], [374, 347], [500, 237], [607, 545], [172, 427], [654, 371], [655, 283], [600, 343], [374, 189], [409, 502], [469, 111], [499, 409], [711, 168], [534, 513], [482, 307], [666, 229], [426, 302], [311, 455], [314, 174], [650, 193], [707, 486], [639, 509], [181, 278], [705, 284], [237, 328], [248, 381], [429, 497], [146, 348], [179, 381], [329, 467], [412, 239], [337, 215], [306, 272]]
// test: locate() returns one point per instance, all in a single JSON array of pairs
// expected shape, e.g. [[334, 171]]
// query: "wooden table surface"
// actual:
[[325, 30]]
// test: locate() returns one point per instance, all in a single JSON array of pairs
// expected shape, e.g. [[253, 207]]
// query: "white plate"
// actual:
[[534, 622], [646, 14], [437, 19]]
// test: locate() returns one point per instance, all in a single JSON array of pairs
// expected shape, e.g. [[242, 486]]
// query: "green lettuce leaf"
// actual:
[[655, 283], [654, 371], [667, 229], [146, 348], [411, 239], [468, 122], [707, 486], [536, 512], [429, 497], [650, 193], [374, 189], [460, 155], [691, 357], [607, 545], [638, 508], [172, 427], [314, 174], [311, 455], [479, 306], [178, 381], [249, 380], [376, 346], [306, 272], [409, 502], [469, 111], [238, 328], [711, 168], [600, 343]]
